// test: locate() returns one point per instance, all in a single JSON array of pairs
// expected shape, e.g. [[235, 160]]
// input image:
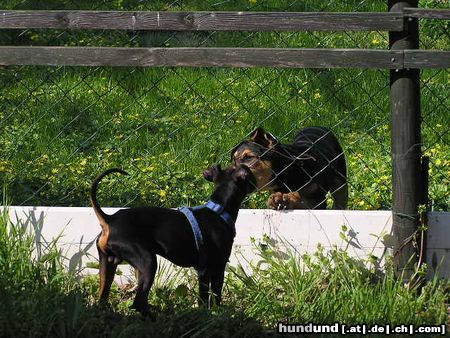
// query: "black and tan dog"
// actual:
[[300, 174], [137, 235]]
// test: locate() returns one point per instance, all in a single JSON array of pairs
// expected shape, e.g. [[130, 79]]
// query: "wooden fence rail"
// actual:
[[223, 57], [202, 57], [216, 21], [219, 57], [425, 13], [203, 21]]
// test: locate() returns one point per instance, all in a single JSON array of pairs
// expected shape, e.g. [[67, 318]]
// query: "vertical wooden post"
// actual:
[[406, 145]]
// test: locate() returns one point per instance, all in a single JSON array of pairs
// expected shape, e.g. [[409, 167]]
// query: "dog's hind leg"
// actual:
[[146, 267], [107, 271], [204, 280]]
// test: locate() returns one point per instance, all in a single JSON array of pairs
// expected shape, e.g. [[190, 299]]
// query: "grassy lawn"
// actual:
[[40, 298], [61, 127]]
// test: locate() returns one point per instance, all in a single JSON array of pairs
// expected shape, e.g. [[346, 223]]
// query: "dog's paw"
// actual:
[[144, 309], [280, 201], [276, 202]]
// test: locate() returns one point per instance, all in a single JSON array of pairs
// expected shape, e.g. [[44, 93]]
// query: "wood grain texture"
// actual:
[[427, 59], [203, 21], [202, 57], [426, 13], [405, 147]]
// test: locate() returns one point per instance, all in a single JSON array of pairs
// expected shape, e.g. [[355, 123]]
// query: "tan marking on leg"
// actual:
[[103, 240]]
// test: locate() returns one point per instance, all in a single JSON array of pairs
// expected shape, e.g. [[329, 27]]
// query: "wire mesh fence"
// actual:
[[61, 126], [435, 96]]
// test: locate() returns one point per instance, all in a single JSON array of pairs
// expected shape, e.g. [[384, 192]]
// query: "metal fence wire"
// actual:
[[61, 126]]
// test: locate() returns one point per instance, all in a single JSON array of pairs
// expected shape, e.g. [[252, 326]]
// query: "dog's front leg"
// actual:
[[204, 280], [217, 284]]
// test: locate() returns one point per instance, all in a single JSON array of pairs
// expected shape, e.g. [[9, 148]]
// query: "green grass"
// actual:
[[166, 126], [62, 126], [330, 286], [39, 298]]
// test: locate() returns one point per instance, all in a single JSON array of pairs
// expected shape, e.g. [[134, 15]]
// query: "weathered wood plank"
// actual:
[[427, 59], [203, 21], [426, 13], [201, 57], [224, 57]]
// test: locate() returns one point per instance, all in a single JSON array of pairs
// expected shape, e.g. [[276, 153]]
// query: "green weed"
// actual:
[[330, 287], [39, 298]]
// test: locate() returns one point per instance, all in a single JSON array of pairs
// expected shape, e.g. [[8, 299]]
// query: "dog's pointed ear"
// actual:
[[212, 173], [263, 138]]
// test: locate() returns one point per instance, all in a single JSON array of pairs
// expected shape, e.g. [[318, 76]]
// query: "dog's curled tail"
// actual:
[[102, 217]]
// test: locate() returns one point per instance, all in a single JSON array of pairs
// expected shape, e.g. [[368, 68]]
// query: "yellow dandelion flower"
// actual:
[[317, 96], [162, 194]]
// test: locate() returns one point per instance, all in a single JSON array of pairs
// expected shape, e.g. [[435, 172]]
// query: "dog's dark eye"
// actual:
[[248, 157]]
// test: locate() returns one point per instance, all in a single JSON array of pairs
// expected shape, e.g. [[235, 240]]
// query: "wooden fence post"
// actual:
[[406, 146]]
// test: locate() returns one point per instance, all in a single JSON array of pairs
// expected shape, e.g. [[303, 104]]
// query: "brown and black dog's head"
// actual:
[[257, 153]]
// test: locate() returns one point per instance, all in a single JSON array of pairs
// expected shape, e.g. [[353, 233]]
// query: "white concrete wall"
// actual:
[[368, 232], [438, 244]]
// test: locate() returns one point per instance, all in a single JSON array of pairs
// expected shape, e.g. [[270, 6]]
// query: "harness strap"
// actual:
[[215, 207], [194, 225]]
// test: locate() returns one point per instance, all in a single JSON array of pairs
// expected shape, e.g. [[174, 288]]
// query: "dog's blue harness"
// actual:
[[217, 208]]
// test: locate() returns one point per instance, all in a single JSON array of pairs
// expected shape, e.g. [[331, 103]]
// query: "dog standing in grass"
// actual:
[[137, 235], [300, 174]]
